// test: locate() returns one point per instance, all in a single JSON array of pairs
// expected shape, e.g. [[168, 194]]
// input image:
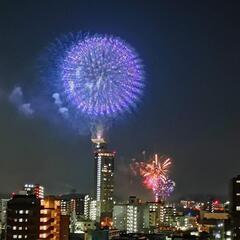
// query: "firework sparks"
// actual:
[[98, 77], [155, 174]]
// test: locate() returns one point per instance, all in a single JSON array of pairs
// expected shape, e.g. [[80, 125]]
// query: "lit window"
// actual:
[[20, 228], [14, 227], [238, 208], [27, 211], [43, 227], [14, 236], [44, 235], [44, 211], [20, 220], [21, 211], [43, 219], [19, 236]]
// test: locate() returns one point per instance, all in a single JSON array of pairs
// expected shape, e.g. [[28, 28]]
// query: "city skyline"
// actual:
[[189, 110]]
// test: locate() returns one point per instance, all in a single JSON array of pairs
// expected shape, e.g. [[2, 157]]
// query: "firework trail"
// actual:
[[100, 77], [155, 174]]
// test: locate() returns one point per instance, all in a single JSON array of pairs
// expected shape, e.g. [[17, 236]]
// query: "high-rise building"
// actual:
[[104, 178], [23, 217], [50, 218], [34, 189], [235, 206]]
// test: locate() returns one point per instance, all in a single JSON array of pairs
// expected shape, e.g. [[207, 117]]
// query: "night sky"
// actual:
[[190, 108]]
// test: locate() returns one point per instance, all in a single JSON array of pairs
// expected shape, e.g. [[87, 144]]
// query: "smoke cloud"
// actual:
[[59, 103], [16, 97]]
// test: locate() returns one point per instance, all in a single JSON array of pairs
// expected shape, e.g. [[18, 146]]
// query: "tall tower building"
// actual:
[[104, 178]]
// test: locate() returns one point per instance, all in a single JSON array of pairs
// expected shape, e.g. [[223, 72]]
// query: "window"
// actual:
[[21, 211], [20, 220], [43, 227], [14, 236], [238, 208], [14, 227], [43, 235]]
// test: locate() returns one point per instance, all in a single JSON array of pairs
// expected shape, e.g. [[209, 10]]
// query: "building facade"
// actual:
[[31, 218], [50, 216], [74, 203], [3, 216], [120, 217], [104, 179], [23, 217]]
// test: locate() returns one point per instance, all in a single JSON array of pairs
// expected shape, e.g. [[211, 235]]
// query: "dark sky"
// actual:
[[190, 109]]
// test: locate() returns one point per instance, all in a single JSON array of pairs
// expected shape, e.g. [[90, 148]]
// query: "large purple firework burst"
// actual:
[[100, 76]]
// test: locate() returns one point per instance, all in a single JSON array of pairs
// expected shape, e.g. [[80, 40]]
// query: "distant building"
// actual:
[[3, 215], [213, 223], [74, 203], [23, 217], [104, 179], [120, 217], [151, 216], [186, 222], [235, 206], [135, 218], [214, 206], [93, 210], [34, 189], [82, 226], [129, 216], [167, 215]]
